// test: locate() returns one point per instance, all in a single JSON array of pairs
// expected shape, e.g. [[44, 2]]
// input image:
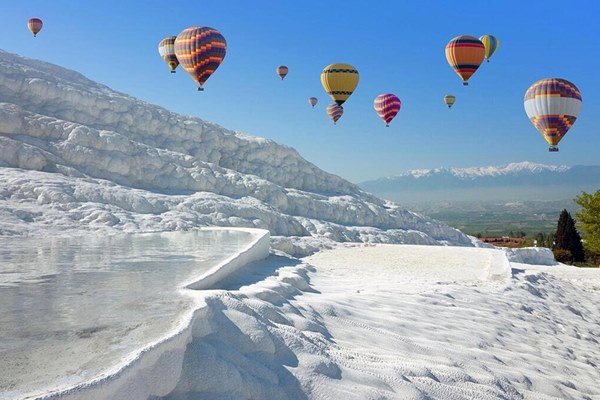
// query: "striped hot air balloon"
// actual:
[[491, 44], [449, 99], [552, 106], [312, 101], [166, 49], [465, 54], [35, 25], [387, 106], [335, 111], [282, 71], [200, 50], [339, 81]]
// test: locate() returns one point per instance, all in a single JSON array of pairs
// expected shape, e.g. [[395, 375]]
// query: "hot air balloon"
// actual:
[[313, 101], [491, 44], [166, 49], [449, 99], [339, 81], [35, 25], [552, 106], [200, 50], [465, 54], [282, 71], [387, 106], [335, 111]]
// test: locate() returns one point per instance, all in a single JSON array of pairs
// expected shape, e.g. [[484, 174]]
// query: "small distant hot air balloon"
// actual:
[[552, 106], [339, 81], [449, 99], [282, 71], [35, 25], [387, 106], [166, 49], [200, 50], [491, 44], [335, 111], [465, 54], [313, 101]]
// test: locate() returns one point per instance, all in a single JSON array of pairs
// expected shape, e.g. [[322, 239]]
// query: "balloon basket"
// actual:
[[465, 83], [200, 89], [553, 149], [172, 72]]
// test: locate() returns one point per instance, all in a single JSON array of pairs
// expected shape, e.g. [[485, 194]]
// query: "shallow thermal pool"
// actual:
[[71, 307]]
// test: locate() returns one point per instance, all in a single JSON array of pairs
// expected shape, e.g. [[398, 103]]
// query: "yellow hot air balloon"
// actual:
[[491, 44], [449, 99], [339, 81]]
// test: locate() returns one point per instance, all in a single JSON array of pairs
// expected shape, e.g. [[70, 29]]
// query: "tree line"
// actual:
[[567, 244]]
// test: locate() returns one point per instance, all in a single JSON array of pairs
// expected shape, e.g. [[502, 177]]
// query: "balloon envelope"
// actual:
[[387, 107], [339, 81], [335, 111], [282, 71], [449, 99], [200, 50], [552, 106], [465, 54], [491, 44], [166, 49], [35, 25], [313, 101]]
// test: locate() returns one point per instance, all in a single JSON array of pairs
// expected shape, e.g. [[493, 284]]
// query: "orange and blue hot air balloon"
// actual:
[[200, 50], [387, 106], [335, 111], [465, 54], [282, 71], [552, 106], [35, 25], [166, 49]]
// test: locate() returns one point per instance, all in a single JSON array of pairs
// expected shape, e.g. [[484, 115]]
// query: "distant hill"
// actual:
[[513, 182]]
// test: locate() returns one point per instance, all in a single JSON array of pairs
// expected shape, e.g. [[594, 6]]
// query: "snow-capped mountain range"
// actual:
[[76, 155], [524, 167], [517, 181]]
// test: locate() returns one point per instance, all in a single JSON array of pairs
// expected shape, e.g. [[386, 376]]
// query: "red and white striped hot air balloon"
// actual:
[[35, 25], [335, 111], [552, 106], [387, 106]]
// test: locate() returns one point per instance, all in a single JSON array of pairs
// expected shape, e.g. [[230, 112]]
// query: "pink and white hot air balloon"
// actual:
[[387, 107]]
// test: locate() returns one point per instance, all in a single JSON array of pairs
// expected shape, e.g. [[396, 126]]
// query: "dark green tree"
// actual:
[[567, 237], [541, 239]]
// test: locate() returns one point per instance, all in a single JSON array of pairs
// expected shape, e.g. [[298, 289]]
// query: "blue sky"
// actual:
[[398, 47]]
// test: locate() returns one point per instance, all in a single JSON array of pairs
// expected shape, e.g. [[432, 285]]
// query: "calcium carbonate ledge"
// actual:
[[154, 370]]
